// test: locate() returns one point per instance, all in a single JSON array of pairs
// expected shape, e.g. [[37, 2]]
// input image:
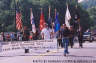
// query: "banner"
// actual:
[[34, 45]]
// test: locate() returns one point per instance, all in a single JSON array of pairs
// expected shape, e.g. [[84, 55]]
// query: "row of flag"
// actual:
[[42, 20]]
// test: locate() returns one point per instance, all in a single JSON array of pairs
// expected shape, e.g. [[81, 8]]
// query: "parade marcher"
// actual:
[[65, 39], [59, 39], [52, 32], [80, 37], [35, 35], [62, 29], [26, 34], [45, 33], [71, 37], [76, 23]]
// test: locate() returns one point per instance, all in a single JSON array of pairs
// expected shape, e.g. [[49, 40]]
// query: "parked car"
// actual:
[[94, 35], [87, 36]]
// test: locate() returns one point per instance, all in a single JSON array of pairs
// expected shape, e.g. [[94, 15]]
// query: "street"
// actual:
[[76, 54]]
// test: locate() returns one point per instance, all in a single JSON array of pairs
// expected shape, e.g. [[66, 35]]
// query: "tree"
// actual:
[[88, 3], [5, 18], [92, 13], [8, 11]]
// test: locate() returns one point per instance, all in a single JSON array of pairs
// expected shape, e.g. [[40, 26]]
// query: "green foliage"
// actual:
[[89, 3], [7, 12], [92, 13], [90, 6]]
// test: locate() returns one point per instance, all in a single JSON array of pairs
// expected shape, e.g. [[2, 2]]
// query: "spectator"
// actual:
[[15, 36], [8, 37], [20, 36], [31, 36], [12, 36], [1, 37]]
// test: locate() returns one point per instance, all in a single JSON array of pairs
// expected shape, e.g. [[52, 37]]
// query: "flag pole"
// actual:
[[41, 10], [15, 14], [31, 9], [55, 12], [67, 4], [30, 15], [49, 11]]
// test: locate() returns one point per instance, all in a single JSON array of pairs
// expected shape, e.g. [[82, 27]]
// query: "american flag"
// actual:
[[18, 20]]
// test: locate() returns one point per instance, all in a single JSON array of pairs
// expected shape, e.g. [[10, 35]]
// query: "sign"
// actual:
[[34, 45]]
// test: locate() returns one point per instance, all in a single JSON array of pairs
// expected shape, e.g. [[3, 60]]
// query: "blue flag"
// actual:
[[57, 24], [50, 22]]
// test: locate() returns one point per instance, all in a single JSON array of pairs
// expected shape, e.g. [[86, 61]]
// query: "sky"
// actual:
[[79, 1]]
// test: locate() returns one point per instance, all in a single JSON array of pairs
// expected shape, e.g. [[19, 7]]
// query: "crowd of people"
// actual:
[[64, 36], [25, 35]]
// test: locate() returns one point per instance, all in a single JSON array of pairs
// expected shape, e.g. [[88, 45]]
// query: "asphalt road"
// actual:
[[87, 54]]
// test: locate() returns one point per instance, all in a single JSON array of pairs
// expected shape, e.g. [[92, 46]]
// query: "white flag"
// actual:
[[32, 22], [67, 18]]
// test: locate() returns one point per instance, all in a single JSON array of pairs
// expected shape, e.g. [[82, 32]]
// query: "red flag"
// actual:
[[18, 21], [42, 21]]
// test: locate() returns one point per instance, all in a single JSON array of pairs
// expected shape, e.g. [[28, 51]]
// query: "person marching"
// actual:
[[59, 39], [45, 33], [71, 37], [66, 31], [80, 37], [65, 39]]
